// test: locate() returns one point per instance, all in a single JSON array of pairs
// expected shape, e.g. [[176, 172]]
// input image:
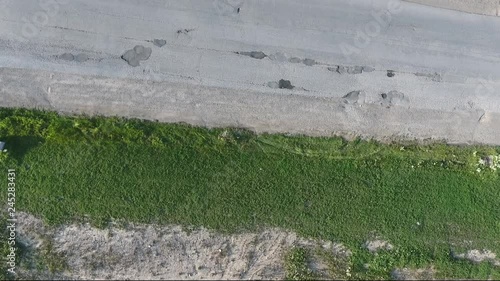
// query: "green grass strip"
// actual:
[[426, 196]]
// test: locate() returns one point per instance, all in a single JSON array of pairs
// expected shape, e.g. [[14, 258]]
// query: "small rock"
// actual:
[[67, 56], [159, 42], [390, 73]]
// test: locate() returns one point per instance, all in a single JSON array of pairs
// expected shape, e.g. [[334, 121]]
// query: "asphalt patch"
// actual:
[[159, 42], [341, 69], [436, 77], [285, 84], [351, 97], [254, 54], [81, 58], [273, 84], [135, 55], [67, 56], [309, 62]]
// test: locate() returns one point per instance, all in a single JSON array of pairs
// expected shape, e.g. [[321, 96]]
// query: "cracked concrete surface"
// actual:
[[438, 69]]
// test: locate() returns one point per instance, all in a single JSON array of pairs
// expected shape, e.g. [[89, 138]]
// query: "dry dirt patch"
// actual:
[[167, 252]]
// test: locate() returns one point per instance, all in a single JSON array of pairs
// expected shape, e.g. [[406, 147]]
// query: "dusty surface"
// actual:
[[478, 256], [376, 245], [151, 252], [419, 72], [413, 274]]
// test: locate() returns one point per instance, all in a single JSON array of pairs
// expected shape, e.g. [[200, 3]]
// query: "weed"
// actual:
[[296, 265]]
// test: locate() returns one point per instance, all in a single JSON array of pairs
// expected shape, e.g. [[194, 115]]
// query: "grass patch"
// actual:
[[297, 265], [428, 197]]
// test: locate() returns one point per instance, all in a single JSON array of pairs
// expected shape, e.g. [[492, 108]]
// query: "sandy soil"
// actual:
[[152, 252]]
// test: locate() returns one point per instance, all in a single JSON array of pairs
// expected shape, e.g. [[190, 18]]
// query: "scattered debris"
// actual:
[[490, 161], [285, 84], [376, 245], [159, 42], [135, 55], [391, 73], [254, 54], [184, 31]]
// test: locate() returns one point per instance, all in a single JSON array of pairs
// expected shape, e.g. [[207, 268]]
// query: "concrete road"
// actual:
[[482, 7], [374, 68]]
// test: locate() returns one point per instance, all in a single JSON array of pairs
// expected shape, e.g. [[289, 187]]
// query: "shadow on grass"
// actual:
[[19, 146]]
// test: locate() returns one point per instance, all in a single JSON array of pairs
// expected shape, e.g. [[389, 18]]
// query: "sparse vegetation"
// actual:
[[426, 199], [297, 265]]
